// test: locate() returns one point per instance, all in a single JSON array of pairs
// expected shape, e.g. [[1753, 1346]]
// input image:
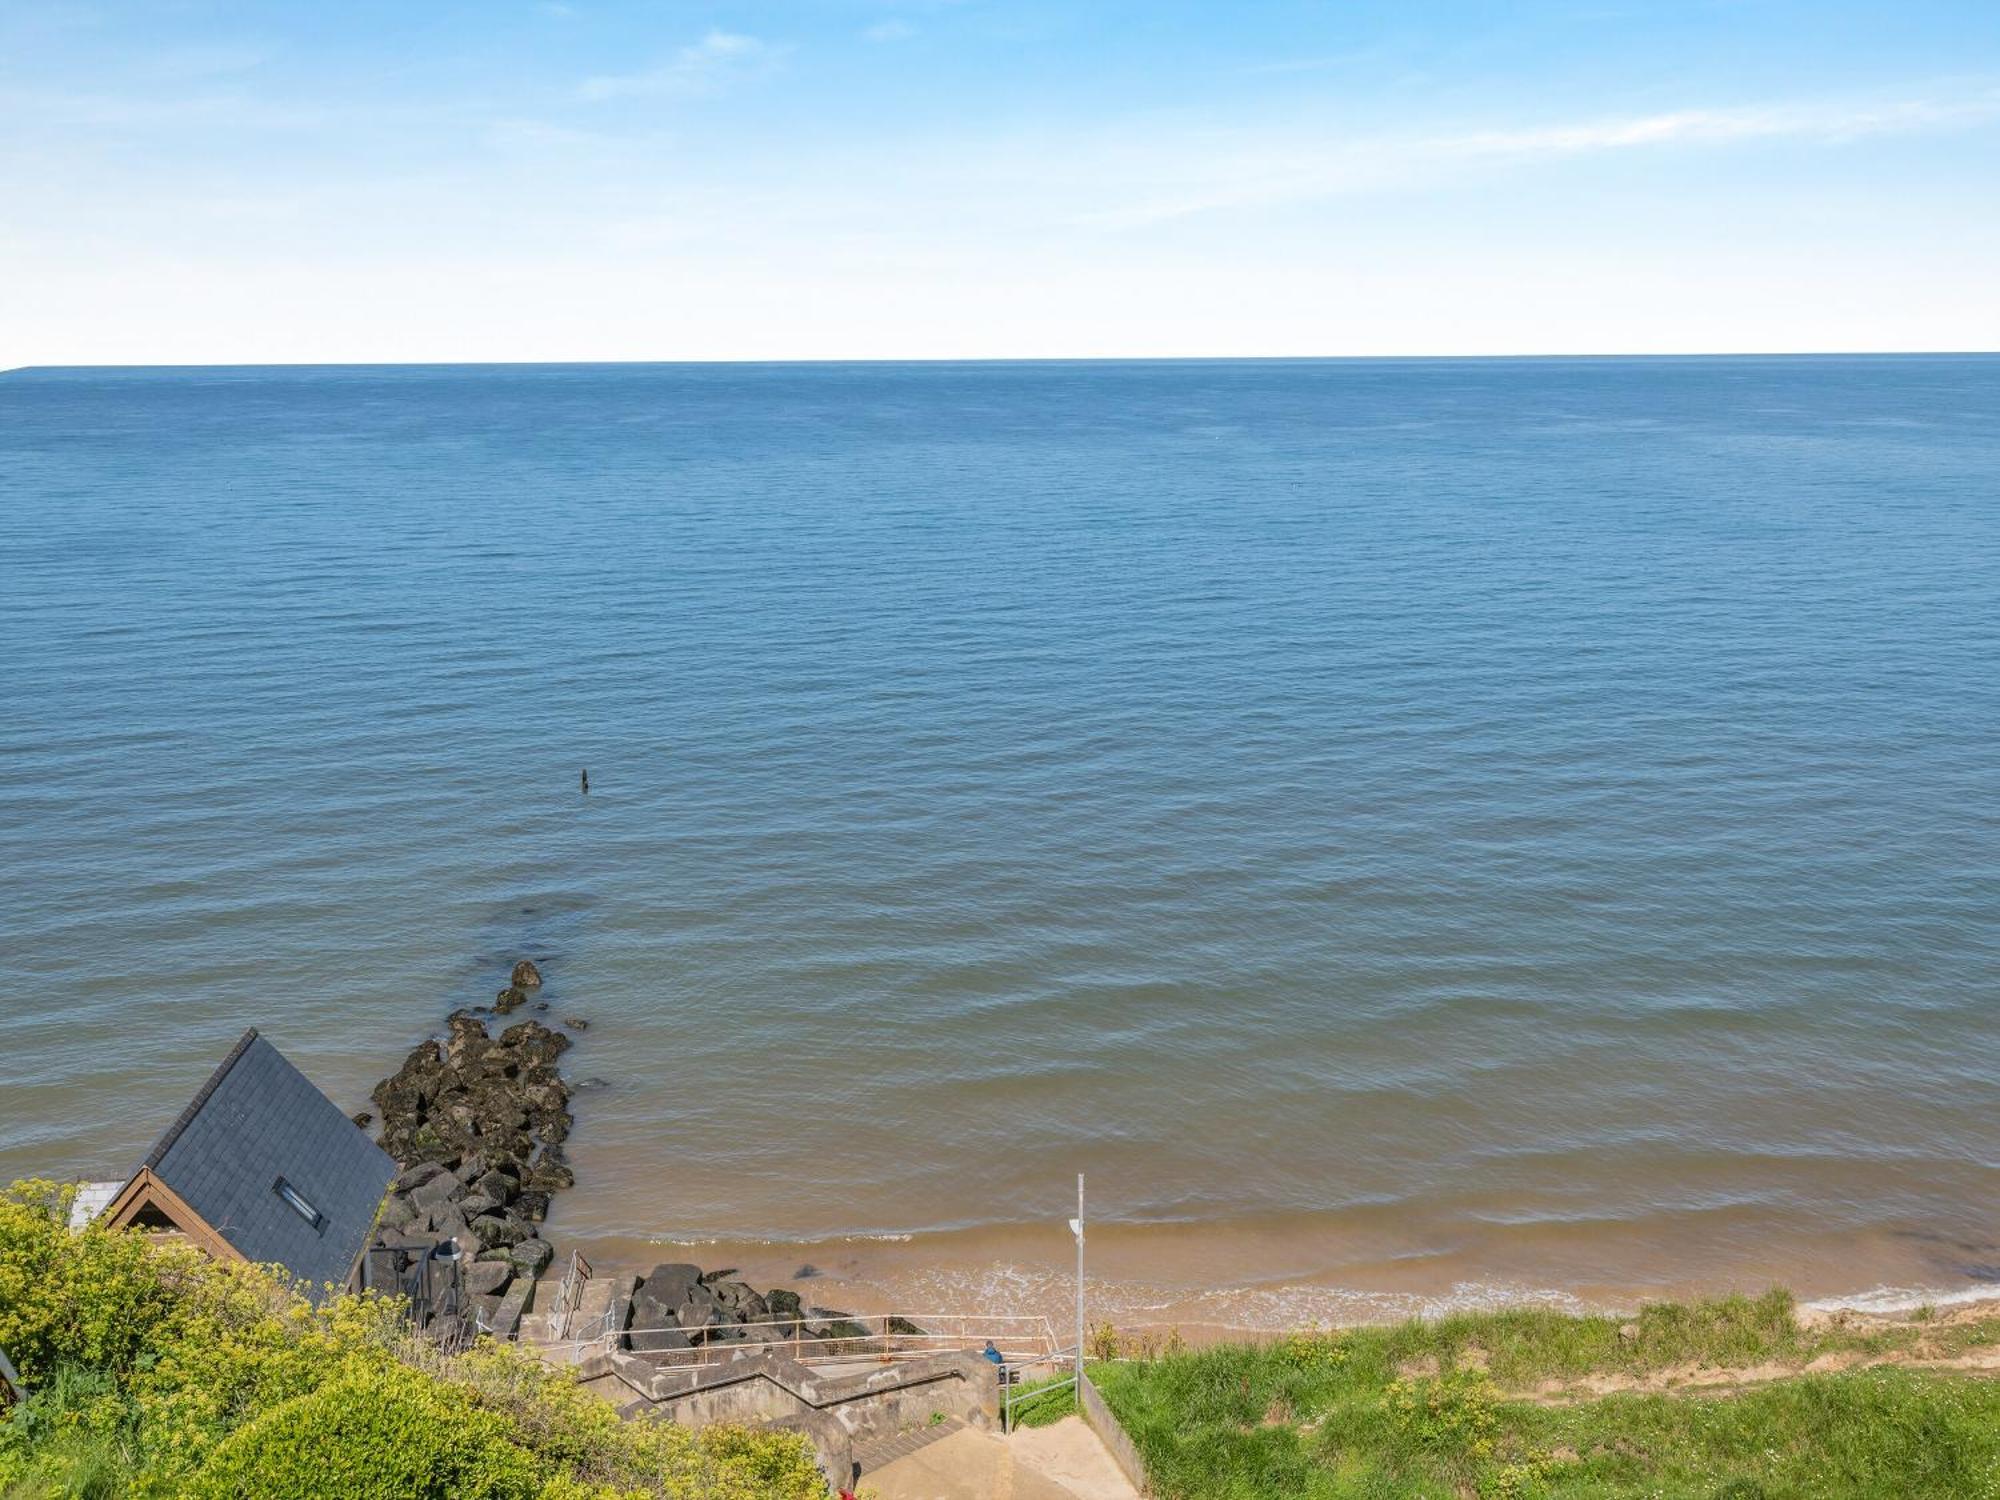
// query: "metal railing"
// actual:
[[1015, 1374], [1021, 1340], [569, 1292]]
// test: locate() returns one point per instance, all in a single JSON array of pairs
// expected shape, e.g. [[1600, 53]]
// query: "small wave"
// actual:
[[1897, 1299], [758, 1239]]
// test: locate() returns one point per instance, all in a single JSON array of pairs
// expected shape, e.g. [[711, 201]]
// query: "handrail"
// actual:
[[569, 1293], [1022, 1338], [1011, 1394]]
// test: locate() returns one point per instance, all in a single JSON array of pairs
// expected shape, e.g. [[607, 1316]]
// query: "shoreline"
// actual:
[[1229, 1278]]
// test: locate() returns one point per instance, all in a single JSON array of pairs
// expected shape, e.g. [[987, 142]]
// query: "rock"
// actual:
[[576, 1023], [701, 1310], [437, 1192], [477, 1123], [507, 1320], [362, 1119], [491, 1230], [415, 1177], [532, 1257], [526, 976], [485, 1278], [836, 1325], [549, 1174], [535, 1041], [450, 1224], [806, 1272], [741, 1299], [783, 1304], [657, 1340], [399, 1216], [498, 1184], [447, 1330], [904, 1326], [509, 999], [1628, 1332], [660, 1295]]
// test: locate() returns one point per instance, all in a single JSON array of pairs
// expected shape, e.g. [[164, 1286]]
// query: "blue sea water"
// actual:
[[1537, 819]]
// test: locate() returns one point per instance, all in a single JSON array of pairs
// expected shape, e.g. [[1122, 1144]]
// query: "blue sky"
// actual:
[[190, 182]]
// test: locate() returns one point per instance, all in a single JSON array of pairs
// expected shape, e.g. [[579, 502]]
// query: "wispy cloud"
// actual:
[[890, 31], [1294, 170], [703, 67]]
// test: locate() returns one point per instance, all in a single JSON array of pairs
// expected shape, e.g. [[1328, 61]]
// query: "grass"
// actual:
[[1463, 1407], [1038, 1403]]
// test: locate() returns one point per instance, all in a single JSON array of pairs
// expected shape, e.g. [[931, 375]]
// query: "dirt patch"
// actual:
[[1720, 1380]]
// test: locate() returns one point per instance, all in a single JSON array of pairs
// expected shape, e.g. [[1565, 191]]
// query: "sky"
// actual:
[[188, 182]]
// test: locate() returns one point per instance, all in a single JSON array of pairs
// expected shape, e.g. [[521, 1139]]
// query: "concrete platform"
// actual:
[[1063, 1461]]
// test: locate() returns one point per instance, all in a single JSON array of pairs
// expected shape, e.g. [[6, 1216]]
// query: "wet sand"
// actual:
[[1290, 1272]]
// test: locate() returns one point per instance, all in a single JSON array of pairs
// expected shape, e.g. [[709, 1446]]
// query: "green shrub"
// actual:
[[155, 1372], [384, 1434], [1453, 1414]]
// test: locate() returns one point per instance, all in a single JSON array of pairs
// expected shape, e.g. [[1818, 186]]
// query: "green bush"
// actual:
[[1451, 1414], [387, 1434], [154, 1372]]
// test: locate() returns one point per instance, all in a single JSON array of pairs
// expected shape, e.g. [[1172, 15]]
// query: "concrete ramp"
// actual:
[[1064, 1461]]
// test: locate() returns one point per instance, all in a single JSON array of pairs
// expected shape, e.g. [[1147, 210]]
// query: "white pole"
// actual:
[[1079, 1291]]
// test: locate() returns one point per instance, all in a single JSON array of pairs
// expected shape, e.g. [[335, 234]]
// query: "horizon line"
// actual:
[[1008, 359]]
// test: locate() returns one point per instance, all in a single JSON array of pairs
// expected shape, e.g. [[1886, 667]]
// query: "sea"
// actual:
[[1411, 833]]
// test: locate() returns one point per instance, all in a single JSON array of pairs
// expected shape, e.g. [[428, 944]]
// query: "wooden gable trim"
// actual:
[[147, 1190]]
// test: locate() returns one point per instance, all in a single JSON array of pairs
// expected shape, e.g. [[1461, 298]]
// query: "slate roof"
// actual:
[[259, 1119]]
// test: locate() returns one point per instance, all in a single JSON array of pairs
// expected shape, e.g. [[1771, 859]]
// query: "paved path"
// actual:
[[1063, 1461]]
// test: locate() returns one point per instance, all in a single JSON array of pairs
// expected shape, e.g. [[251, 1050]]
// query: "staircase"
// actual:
[[887, 1450], [573, 1314]]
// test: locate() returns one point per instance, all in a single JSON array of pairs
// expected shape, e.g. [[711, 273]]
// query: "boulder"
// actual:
[[492, 1229], [838, 1325], [532, 1206], [401, 1214], [658, 1300], [657, 1340], [498, 1183], [485, 1278], [526, 976], [476, 1205], [437, 1192], [702, 1310], [741, 1299], [551, 1172], [415, 1177], [531, 1257], [450, 1224], [509, 999], [576, 1023], [783, 1304]]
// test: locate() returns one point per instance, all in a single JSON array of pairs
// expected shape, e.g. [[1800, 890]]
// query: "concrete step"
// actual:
[[885, 1451]]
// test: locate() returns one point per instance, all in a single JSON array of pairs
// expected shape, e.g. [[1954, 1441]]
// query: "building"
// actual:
[[261, 1166]]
